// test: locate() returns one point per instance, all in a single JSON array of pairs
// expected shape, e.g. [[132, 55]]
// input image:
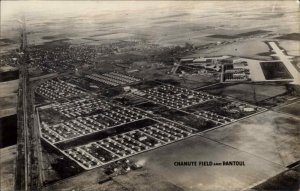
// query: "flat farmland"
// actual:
[[144, 180], [84, 181], [8, 105], [246, 48], [292, 47], [158, 24], [7, 170], [269, 135], [292, 109], [9, 88], [210, 178]]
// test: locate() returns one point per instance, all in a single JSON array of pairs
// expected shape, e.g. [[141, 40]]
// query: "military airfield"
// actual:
[[112, 97]]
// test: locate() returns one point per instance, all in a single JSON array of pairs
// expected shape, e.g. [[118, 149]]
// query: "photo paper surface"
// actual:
[[150, 95]]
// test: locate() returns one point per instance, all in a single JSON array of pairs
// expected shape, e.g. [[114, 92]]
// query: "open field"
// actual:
[[83, 181], [279, 100], [245, 34], [187, 119], [290, 46], [157, 25], [291, 36], [8, 129], [8, 105], [9, 87], [245, 92], [153, 73], [9, 75], [161, 162], [7, 168], [248, 48], [292, 109], [146, 85], [151, 107], [7, 68], [8, 112], [287, 180], [8, 101], [270, 135], [189, 81], [143, 180]]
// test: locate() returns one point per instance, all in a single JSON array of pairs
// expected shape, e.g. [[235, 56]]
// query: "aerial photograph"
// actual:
[[149, 95]]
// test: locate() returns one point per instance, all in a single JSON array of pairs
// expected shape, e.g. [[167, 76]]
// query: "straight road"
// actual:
[[22, 165], [27, 167]]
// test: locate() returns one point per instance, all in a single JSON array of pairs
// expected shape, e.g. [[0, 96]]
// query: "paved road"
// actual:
[[25, 123], [22, 168], [27, 167]]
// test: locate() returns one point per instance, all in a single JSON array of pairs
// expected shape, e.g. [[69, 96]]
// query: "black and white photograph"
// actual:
[[149, 95]]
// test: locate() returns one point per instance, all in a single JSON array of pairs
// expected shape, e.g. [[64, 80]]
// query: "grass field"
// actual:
[[270, 135], [8, 105], [9, 88], [245, 92], [8, 102], [292, 109], [291, 47], [246, 48], [245, 34], [7, 170], [143, 180], [84, 181], [208, 178], [187, 119], [291, 36]]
